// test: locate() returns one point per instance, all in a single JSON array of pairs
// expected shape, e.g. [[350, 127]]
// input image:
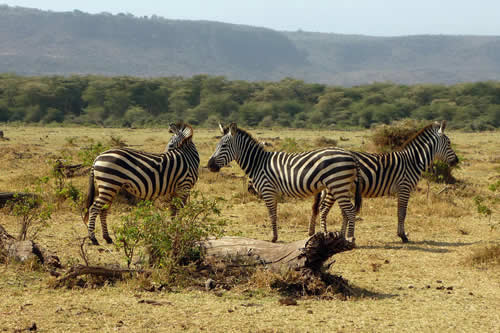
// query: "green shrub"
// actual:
[[481, 206], [494, 186], [62, 189], [33, 212], [89, 154], [117, 142], [440, 172], [171, 241], [289, 145]]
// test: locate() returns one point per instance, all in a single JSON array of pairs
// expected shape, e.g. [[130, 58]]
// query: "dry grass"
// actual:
[[445, 279], [486, 256]]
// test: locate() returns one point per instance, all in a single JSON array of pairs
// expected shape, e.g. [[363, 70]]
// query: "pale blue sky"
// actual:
[[368, 17]]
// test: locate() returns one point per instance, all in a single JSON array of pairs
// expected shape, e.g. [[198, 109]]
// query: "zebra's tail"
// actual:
[[90, 196], [358, 201]]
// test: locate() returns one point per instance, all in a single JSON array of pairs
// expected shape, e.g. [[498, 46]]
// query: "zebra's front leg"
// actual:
[[272, 207], [403, 197], [174, 207], [314, 215]]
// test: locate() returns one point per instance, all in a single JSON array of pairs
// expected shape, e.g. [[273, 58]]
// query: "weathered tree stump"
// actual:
[[309, 253], [26, 250]]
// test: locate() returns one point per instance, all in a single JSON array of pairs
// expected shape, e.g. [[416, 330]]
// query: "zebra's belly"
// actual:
[[298, 191], [380, 191]]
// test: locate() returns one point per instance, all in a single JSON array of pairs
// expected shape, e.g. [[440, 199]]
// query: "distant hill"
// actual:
[[34, 42]]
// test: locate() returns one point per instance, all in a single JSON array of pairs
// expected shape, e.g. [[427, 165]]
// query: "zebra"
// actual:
[[145, 175], [296, 175], [397, 172]]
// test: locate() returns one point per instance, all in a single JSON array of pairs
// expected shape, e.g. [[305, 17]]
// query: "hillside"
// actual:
[[34, 42]]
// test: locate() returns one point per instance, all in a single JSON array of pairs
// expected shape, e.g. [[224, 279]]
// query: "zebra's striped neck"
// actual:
[[187, 149], [421, 150], [249, 153]]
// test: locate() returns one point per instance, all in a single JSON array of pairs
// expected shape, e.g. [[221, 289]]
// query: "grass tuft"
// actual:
[[325, 142], [486, 256]]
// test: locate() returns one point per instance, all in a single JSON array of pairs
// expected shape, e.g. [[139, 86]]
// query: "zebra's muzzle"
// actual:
[[212, 166], [454, 161]]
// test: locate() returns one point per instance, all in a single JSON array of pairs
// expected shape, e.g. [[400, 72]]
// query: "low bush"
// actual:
[[325, 142], [486, 256], [33, 212], [388, 138], [88, 155], [289, 145], [170, 242]]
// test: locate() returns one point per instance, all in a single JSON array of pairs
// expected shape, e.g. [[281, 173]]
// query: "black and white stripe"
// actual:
[[296, 175], [145, 175], [398, 172]]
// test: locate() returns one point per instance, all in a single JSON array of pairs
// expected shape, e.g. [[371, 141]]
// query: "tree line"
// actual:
[[203, 100]]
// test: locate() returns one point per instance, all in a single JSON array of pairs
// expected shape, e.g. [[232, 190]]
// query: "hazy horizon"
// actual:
[[363, 17]]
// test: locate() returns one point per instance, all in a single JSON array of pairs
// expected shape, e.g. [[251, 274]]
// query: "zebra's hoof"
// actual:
[[404, 239], [274, 239], [94, 241], [109, 240]]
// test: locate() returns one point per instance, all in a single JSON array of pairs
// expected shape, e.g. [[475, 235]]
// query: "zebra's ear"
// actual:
[[442, 127], [233, 128], [222, 129], [172, 128]]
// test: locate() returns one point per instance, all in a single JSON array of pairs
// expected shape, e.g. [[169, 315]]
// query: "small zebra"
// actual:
[[397, 172], [145, 175], [296, 175]]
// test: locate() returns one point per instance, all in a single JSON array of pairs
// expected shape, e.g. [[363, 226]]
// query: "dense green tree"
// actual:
[[204, 100]]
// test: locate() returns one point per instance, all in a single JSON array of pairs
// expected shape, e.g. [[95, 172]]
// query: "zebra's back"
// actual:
[[303, 174]]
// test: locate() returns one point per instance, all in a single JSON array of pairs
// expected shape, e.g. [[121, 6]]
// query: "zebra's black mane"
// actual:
[[181, 125], [245, 133], [407, 142]]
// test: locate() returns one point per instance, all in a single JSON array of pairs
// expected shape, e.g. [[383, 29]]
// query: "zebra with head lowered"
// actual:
[[296, 175], [145, 175], [397, 172]]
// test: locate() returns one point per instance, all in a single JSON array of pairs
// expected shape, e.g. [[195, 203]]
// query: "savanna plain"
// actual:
[[446, 279]]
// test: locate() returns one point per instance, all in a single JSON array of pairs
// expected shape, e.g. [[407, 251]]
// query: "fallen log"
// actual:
[[305, 257], [71, 170], [14, 196], [109, 273], [309, 253], [26, 250]]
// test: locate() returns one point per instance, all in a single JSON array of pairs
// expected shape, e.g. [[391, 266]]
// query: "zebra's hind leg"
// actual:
[[326, 205], [314, 215], [349, 217], [104, 225], [94, 210]]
